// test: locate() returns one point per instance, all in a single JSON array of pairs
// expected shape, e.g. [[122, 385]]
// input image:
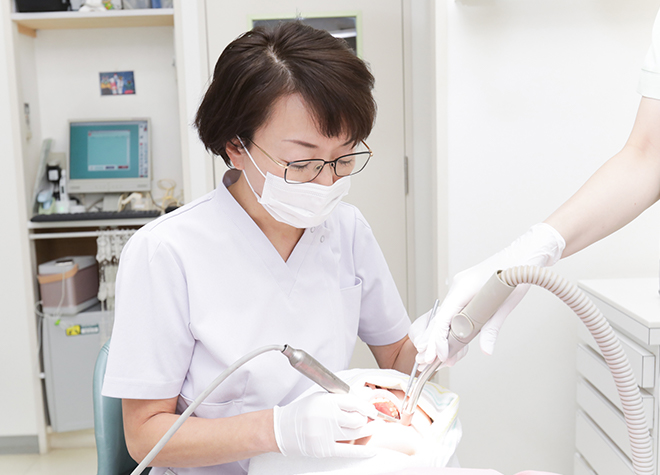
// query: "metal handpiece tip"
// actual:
[[387, 418]]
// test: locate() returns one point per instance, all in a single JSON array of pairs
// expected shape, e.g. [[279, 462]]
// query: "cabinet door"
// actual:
[[379, 191]]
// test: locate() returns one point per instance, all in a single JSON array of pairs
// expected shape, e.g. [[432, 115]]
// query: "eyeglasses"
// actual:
[[303, 171]]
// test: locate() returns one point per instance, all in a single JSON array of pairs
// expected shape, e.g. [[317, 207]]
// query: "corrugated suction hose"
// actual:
[[610, 347]]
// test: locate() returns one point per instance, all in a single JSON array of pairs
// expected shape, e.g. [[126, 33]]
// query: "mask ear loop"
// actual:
[[250, 155], [245, 174]]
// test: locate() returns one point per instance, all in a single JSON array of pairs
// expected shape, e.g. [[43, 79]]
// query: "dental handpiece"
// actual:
[[309, 367], [463, 328], [304, 363]]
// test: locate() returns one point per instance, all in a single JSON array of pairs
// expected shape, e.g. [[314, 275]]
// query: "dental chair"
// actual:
[[112, 455]]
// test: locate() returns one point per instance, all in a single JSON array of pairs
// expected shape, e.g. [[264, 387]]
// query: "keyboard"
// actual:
[[94, 215]]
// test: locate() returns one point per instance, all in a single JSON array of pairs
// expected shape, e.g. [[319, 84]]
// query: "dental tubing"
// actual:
[[467, 324], [631, 400], [214, 384], [302, 361]]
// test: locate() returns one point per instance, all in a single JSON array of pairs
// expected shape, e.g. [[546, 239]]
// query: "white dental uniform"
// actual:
[[202, 286], [649, 80]]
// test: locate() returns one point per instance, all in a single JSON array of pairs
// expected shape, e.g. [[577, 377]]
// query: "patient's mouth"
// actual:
[[386, 406]]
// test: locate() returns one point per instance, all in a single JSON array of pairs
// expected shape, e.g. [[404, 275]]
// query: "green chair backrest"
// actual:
[[112, 454]]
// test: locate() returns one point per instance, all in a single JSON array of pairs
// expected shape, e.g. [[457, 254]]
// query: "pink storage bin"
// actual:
[[73, 281]]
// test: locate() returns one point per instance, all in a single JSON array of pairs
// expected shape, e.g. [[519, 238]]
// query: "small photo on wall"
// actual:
[[117, 83]]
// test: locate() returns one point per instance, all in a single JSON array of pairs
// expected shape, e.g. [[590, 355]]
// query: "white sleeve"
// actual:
[[383, 317], [151, 344], [649, 80]]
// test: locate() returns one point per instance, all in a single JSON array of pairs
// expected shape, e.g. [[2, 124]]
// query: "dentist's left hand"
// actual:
[[314, 425]]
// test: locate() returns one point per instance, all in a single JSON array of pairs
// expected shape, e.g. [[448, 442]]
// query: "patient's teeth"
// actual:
[[386, 407]]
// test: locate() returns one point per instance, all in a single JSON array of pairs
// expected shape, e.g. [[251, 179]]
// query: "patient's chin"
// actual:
[[404, 439], [392, 436]]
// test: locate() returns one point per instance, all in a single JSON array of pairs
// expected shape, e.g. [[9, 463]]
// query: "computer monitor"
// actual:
[[109, 156]]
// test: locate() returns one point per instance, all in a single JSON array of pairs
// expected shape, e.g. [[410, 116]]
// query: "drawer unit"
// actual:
[[641, 359], [632, 307], [596, 448], [581, 467], [628, 304], [609, 418], [594, 369]]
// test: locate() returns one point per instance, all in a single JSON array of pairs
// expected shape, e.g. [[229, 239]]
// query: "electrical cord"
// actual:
[[88, 208], [214, 384], [168, 199], [631, 400], [169, 186], [42, 317]]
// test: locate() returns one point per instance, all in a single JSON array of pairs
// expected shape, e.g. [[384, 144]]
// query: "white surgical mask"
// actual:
[[301, 205]]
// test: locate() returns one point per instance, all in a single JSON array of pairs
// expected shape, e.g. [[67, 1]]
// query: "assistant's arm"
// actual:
[[626, 185], [399, 356], [198, 442]]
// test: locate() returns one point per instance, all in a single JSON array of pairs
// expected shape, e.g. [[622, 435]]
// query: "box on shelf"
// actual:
[[136, 4], [68, 285], [25, 6]]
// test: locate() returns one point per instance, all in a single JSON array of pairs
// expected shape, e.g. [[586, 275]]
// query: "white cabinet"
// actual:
[[51, 63], [632, 306]]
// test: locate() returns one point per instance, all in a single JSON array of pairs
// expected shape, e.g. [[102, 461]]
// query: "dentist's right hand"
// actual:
[[314, 425], [541, 246]]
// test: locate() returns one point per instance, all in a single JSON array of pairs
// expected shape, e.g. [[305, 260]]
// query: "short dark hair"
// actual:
[[261, 66]]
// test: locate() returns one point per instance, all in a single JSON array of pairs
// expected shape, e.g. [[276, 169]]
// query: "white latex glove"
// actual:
[[313, 425], [541, 246]]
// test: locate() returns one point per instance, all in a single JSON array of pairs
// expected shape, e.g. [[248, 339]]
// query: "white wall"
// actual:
[[193, 78], [540, 95], [425, 270], [28, 94], [21, 416], [67, 65]]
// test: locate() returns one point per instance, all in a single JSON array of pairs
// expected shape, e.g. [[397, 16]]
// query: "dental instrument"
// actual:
[[312, 369], [302, 361], [466, 325], [463, 328], [413, 373]]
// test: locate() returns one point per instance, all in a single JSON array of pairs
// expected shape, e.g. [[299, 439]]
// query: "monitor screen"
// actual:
[[107, 156]]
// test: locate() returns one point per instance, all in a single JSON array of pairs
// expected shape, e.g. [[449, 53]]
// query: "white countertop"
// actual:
[[637, 298]]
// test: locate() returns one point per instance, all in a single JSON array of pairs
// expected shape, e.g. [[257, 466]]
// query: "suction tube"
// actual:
[[610, 347], [464, 327]]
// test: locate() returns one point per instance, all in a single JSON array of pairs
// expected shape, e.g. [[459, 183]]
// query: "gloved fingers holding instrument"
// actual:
[[314, 426], [541, 245], [422, 333]]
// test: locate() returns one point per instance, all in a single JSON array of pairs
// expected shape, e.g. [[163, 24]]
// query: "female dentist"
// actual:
[[625, 186], [272, 256]]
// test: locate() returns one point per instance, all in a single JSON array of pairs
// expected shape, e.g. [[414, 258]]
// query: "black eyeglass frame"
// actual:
[[332, 163]]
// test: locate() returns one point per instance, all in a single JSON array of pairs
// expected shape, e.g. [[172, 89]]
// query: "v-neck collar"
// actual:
[[284, 272]]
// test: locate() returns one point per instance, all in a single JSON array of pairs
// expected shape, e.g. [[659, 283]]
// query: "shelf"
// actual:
[[98, 223], [28, 23]]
